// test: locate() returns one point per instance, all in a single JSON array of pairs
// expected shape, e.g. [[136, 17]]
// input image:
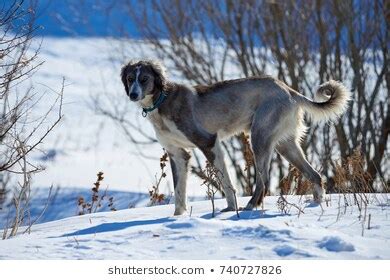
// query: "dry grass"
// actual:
[[97, 199], [295, 183], [351, 177], [211, 177], [352, 183], [155, 197], [285, 207]]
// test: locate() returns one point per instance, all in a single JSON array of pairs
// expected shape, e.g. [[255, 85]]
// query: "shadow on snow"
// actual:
[[109, 227]]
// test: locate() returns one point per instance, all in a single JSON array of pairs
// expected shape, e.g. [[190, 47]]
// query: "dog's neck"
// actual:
[[147, 101]]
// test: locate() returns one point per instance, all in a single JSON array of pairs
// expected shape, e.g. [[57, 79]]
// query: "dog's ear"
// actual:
[[123, 77], [159, 75]]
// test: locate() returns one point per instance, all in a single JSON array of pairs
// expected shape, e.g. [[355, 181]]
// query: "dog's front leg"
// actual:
[[215, 156], [179, 159]]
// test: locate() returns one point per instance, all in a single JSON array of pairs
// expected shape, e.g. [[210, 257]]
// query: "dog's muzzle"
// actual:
[[134, 96]]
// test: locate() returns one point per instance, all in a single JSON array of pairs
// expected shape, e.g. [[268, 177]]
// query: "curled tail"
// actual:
[[332, 101]]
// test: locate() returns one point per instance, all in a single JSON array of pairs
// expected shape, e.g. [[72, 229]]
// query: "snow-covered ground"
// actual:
[[336, 232]]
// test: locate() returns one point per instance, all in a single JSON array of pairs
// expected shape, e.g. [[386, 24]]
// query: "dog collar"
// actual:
[[159, 101]]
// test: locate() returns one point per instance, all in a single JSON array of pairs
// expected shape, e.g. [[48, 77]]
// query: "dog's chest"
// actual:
[[168, 134]]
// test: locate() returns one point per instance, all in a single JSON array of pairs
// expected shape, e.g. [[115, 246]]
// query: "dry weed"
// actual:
[[155, 197], [97, 199]]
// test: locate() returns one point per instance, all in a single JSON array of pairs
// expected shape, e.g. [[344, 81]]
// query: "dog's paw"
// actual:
[[228, 209], [318, 195], [317, 200], [248, 207], [179, 211]]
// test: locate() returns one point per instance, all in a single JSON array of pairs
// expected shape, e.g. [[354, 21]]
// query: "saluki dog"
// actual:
[[187, 117]]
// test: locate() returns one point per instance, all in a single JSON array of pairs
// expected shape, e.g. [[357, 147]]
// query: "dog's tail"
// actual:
[[331, 101]]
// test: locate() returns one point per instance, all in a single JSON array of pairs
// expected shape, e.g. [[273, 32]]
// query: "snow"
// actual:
[[154, 233], [335, 244]]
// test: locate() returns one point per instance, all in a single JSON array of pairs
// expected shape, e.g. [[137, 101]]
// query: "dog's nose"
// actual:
[[133, 96]]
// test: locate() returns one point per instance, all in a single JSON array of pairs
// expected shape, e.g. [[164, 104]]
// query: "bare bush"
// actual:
[[21, 132], [304, 44]]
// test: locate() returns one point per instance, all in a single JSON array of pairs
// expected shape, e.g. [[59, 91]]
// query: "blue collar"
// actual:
[[159, 101]]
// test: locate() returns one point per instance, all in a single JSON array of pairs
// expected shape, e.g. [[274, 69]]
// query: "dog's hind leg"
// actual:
[[262, 152], [179, 159], [292, 152], [263, 132]]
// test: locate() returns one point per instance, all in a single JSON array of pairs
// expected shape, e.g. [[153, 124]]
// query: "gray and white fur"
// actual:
[[201, 116]]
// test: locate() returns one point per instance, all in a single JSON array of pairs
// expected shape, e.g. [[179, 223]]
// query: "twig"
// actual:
[[42, 212], [285, 202], [369, 221]]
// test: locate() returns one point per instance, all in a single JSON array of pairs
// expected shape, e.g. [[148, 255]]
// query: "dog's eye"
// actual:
[[144, 79], [130, 80]]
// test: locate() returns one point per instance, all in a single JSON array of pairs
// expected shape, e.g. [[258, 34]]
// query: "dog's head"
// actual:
[[143, 78]]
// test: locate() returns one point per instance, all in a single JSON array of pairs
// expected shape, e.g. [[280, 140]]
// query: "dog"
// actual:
[[200, 117]]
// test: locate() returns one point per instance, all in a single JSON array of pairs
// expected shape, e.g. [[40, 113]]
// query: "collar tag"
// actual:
[[157, 104]]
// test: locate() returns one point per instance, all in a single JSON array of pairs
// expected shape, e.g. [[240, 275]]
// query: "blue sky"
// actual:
[[63, 18], [68, 18]]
